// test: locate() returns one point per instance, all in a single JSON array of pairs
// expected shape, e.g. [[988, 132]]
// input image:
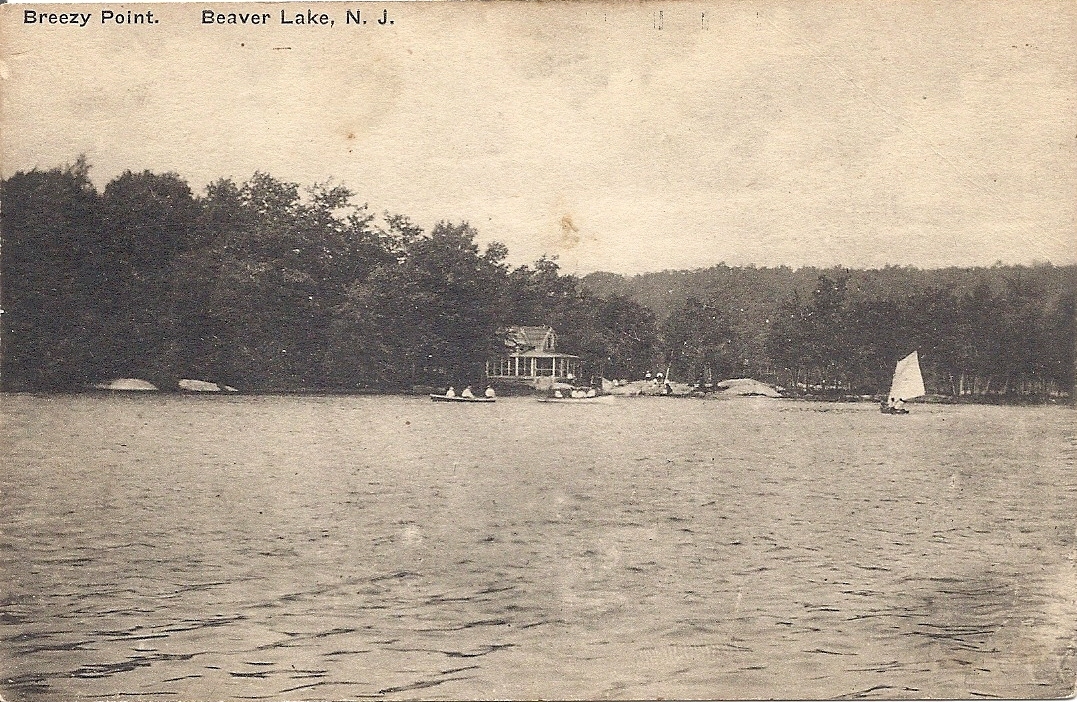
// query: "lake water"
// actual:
[[206, 548]]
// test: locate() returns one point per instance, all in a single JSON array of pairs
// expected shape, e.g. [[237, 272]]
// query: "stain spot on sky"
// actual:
[[570, 233]]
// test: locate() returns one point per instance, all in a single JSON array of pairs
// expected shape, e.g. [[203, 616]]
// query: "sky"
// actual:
[[628, 136]]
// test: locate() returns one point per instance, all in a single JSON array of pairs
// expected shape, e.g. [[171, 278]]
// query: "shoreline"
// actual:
[[1008, 401]]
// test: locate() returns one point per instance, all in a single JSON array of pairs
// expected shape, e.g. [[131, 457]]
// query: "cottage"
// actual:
[[531, 354]]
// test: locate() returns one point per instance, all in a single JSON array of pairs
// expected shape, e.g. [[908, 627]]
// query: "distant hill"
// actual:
[[760, 289], [1003, 329]]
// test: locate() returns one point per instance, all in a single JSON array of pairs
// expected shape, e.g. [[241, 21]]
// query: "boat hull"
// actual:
[[445, 398]]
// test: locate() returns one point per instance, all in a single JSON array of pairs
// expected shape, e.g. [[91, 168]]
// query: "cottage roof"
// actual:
[[530, 338], [542, 354]]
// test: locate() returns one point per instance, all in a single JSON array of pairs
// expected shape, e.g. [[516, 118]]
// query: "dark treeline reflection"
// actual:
[[264, 285]]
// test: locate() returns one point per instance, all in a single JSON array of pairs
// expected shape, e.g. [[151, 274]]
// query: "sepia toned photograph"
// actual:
[[538, 350]]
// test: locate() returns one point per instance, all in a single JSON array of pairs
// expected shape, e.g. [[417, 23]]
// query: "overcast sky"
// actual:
[[854, 133]]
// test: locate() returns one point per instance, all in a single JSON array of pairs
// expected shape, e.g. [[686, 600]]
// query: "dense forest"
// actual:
[[265, 285], [999, 332], [268, 286]]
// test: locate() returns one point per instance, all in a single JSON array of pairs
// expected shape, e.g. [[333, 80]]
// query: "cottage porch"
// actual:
[[530, 365]]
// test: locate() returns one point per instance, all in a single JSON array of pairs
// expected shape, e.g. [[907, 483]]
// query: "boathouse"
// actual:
[[531, 354]]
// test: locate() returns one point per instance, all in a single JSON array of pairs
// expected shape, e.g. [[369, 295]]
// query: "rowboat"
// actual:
[[597, 400], [457, 398]]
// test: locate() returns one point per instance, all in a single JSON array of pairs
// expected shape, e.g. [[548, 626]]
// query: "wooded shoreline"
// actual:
[[271, 287]]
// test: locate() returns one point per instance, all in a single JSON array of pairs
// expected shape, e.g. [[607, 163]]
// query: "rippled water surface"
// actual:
[[207, 548]]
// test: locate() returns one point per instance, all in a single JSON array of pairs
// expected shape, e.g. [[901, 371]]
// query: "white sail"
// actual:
[[908, 383]]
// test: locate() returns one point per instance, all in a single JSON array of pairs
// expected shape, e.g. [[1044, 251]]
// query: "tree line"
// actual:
[[266, 285], [992, 333]]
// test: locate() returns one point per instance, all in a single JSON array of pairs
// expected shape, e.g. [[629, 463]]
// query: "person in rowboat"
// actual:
[[451, 392], [490, 392], [467, 393]]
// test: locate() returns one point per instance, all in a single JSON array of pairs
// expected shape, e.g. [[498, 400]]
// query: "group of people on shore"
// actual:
[[659, 379]]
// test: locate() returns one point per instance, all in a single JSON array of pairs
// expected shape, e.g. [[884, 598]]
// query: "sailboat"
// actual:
[[907, 384]]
